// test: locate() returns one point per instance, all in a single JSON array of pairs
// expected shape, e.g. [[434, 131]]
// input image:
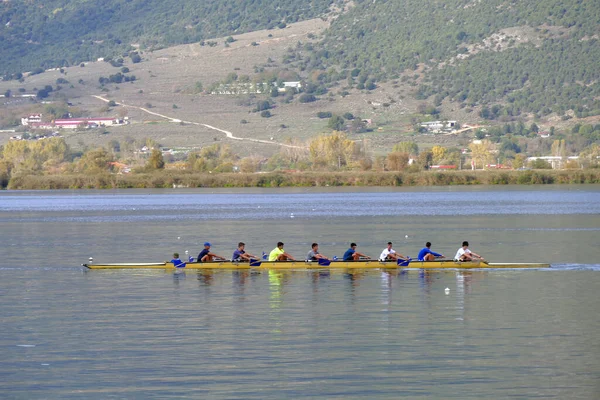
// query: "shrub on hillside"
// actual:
[[307, 98]]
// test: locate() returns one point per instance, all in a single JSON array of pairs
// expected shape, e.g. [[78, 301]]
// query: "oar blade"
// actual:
[[403, 263], [255, 263]]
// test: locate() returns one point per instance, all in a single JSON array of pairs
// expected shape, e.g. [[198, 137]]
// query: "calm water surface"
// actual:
[[71, 333]]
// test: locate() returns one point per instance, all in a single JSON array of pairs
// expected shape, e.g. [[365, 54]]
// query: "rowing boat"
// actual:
[[279, 265]]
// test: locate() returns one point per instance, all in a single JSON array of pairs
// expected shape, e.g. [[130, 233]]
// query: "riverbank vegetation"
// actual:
[[183, 179], [327, 160]]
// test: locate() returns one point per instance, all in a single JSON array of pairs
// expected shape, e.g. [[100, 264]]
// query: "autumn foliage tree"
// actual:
[[95, 161], [334, 150], [406, 147], [35, 156], [212, 158], [396, 161], [481, 152]]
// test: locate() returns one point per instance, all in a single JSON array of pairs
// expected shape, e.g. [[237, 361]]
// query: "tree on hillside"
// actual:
[[156, 160], [334, 150], [406, 147], [211, 158], [590, 156], [519, 161], [481, 152], [439, 153], [249, 164], [95, 161], [396, 161], [559, 148], [34, 156], [296, 153], [336, 123], [425, 159], [540, 164]]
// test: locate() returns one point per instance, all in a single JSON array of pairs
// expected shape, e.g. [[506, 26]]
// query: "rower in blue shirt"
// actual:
[[427, 255], [352, 255], [177, 263]]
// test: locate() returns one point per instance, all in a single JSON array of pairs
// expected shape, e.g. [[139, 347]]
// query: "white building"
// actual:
[[438, 126], [32, 119]]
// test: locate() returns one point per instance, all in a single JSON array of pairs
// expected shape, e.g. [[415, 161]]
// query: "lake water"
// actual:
[[66, 332]]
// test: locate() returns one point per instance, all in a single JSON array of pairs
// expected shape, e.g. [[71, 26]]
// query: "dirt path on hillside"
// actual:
[[176, 120]]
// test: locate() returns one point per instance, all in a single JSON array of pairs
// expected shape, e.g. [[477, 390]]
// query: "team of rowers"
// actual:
[[279, 254]]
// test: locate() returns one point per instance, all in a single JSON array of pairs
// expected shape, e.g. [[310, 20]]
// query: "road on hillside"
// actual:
[[227, 133]]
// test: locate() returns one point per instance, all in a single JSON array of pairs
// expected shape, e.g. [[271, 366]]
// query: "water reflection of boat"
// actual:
[[290, 265]]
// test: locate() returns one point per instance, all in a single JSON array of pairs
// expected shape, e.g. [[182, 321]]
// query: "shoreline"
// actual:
[[182, 179]]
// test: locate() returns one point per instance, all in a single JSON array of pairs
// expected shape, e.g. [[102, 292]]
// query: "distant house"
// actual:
[[290, 85], [543, 134], [74, 123], [67, 122], [32, 119], [439, 126], [236, 88], [240, 88], [442, 167]]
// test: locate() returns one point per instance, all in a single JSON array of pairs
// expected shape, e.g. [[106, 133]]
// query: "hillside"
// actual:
[[512, 73], [536, 57], [55, 33]]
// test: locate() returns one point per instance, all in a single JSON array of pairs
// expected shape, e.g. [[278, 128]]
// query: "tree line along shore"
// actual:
[[328, 160], [183, 179]]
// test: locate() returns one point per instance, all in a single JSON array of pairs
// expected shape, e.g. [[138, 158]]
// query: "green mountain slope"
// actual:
[[529, 56], [51, 33]]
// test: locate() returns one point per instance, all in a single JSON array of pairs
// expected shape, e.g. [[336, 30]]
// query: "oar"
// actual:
[[404, 263], [255, 263]]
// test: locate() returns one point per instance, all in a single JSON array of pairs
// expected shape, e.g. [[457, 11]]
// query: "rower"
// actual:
[[177, 263], [240, 254], [427, 255], [464, 254], [278, 254], [206, 256], [389, 254], [352, 255], [314, 255]]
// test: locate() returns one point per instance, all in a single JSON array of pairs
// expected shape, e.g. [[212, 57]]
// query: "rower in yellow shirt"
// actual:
[[278, 254]]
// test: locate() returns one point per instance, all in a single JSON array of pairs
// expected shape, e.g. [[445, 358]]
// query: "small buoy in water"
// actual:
[[90, 260], [178, 237], [292, 216], [406, 236], [447, 290]]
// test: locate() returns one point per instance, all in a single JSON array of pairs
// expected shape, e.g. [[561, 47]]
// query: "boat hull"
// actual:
[[289, 265]]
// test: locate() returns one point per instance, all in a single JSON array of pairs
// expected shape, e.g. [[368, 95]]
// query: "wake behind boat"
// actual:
[[325, 264]]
